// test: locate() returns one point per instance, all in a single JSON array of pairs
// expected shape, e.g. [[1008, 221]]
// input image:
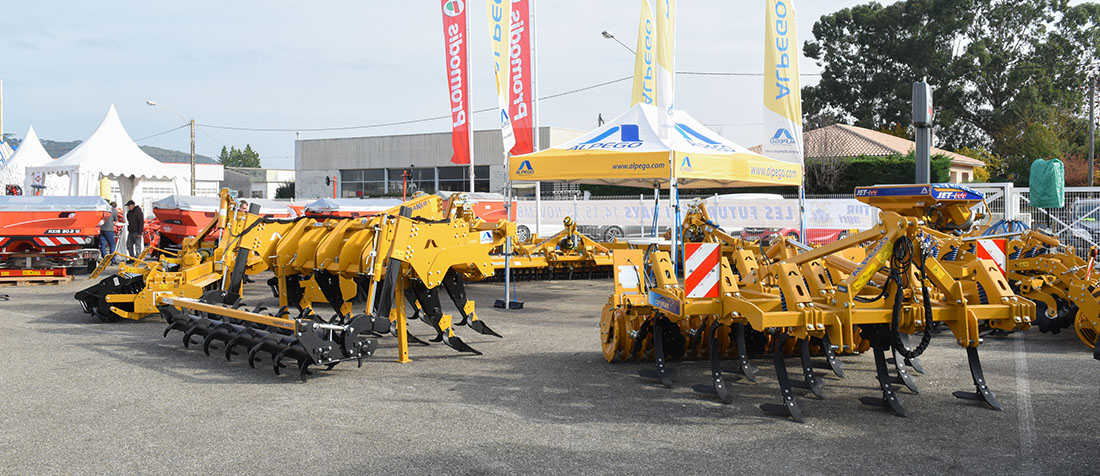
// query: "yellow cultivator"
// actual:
[[565, 255], [1064, 286], [907, 280], [407, 253]]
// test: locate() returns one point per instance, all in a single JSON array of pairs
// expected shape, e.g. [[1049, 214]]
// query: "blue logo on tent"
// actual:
[[525, 168], [686, 163], [697, 139], [783, 137], [629, 138]]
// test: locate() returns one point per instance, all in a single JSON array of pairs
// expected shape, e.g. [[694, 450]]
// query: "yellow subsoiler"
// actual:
[[904, 284], [404, 253]]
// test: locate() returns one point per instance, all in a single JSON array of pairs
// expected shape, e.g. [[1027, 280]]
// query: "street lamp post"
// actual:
[[190, 122], [611, 36]]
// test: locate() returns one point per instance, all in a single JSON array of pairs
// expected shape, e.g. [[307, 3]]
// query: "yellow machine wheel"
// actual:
[[614, 335], [1087, 329]]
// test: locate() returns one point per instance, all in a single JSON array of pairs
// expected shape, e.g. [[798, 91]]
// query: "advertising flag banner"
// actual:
[[458, 78], [523, 77], [500, 20], [782, 88], [644, 79], [666, 65]]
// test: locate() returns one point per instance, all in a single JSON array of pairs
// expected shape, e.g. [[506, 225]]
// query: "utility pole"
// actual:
[[192, 157], [1092, 124]]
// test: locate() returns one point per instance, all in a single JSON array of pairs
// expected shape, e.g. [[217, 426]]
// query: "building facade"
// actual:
[[383, 165], [257, 182]]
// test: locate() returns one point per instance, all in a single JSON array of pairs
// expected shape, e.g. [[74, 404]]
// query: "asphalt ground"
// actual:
[[84, 397]]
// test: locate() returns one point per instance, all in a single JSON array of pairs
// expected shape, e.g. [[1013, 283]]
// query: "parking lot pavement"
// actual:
[[87, 397]]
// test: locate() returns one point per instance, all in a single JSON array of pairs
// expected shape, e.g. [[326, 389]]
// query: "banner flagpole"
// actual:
[[469, 114]]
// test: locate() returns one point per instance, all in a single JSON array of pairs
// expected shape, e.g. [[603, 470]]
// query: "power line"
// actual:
[[447, 116], [406, 122], [720, 73], [162, 133]]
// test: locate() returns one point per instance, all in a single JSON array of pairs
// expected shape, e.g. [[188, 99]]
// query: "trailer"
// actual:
[[50, 233]]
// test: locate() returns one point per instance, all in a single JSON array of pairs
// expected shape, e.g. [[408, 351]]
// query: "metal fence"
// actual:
[[1077, 224]]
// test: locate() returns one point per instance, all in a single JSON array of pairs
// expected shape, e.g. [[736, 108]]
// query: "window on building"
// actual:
[[457, 179], [362, 183], [954, 177]]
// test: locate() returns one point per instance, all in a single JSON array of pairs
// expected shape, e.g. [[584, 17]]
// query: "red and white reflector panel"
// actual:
[[993, 250], [701, 268]]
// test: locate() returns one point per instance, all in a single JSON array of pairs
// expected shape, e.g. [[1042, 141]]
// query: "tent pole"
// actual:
[[674, 199], [656, 208], [802, 214]]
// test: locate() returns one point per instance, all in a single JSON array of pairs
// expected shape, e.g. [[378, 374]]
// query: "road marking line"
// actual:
[[1023, 404]]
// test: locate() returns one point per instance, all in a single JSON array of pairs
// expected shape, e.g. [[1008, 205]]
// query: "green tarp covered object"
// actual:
[[1048, 184]]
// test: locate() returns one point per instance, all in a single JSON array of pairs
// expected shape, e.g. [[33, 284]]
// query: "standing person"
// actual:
[[107, 233], [135, 223]]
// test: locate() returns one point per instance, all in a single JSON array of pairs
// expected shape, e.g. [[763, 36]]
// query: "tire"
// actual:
[[523, 233], [611, 233]]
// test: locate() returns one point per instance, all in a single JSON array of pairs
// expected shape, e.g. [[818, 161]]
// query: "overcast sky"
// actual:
[[283, 64]]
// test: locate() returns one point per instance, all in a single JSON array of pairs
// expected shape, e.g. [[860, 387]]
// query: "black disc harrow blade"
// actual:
[[282, 348]]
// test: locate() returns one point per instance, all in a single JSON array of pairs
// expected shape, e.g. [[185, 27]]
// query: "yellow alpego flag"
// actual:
[[645, 87], [782, 88], [500, 27]]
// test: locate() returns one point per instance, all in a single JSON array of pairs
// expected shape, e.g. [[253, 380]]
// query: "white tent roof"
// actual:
[[210, 204], [48, 204], [30, 154], [330, 205], [111, 153]]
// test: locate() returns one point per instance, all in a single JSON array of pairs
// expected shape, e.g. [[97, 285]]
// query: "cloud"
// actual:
[[101, 43], [22, 44]]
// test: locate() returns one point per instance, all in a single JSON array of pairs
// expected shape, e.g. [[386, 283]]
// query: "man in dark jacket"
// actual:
[[135, 224]]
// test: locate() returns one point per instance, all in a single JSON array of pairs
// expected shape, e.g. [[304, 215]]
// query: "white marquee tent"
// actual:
[[30, 154], [110, 153]]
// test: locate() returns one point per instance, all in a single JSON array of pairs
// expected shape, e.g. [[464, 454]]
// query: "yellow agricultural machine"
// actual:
[[911, 276], [407, 253], [1064, 286], [565, 255]]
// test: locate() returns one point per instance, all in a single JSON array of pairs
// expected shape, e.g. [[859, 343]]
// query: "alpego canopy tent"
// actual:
[[628, 151]]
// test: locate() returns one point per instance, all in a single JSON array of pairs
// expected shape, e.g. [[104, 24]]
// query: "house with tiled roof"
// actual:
[[842, 140]]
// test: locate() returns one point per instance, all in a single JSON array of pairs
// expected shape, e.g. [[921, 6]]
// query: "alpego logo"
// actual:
[[783, 137], [453, 8], [699, 140], [628, 139], [525, 168]]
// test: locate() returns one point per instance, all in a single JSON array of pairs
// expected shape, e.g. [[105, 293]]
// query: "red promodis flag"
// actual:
[[523, 77], [458, 77]]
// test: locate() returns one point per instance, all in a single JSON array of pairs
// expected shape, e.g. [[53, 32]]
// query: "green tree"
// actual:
[[235, 157], [285, 190], [1006, 73]]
